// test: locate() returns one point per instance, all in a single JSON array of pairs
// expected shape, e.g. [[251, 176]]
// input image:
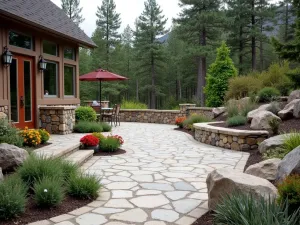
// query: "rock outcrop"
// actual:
[[288, 111], [272, 143], [266, 169], [261, 120], [294, 95]]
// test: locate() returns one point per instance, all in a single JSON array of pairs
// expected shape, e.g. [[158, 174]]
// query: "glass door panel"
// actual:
[[14, 91], [27, 91]]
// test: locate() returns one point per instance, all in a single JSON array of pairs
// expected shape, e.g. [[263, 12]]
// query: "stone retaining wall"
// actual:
[[57, 119], [206, 111], [239, 140]]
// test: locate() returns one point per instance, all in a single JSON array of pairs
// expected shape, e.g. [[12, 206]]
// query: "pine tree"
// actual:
[[218, 76], [73, 11], [150, 25], [290, 50], [285, 13], [200, 22], [108, 22]]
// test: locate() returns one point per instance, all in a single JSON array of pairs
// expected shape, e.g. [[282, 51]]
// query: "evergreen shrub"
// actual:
[[268, 94], [85, 113], [87, 127]]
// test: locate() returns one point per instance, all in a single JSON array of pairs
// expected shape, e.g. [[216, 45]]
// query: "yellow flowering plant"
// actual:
[[44, 136], [31, 137]]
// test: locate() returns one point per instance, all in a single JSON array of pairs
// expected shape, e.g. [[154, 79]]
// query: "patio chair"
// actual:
[[109, 115], [98, 112], [117, 115], [114, 116]]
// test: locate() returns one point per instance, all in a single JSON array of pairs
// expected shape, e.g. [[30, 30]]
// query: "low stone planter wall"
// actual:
[[239, 140], [205, 111], [57, 119]]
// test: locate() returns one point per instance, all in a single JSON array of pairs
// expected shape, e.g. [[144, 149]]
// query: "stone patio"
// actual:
[[159, 181]]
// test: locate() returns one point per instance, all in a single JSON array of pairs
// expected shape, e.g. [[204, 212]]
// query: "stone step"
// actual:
[[80, 156], [58, 150]]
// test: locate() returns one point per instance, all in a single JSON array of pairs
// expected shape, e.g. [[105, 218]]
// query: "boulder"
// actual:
[[294, 95], [288, 110], [2, 115], [1, 174], [218, 111], [252, 113], [261, 120], [11, 156], [272, 143], [266, 169], [290, 164], [225, 181], [296, 111]]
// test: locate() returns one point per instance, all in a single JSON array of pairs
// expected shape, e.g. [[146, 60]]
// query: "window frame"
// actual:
[[24, 34], [74, 80], [74, 53], [57, 80], [51, 42]]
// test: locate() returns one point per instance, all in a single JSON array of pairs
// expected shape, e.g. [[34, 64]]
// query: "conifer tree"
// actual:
[[286, 14], [73, 11], [218, 75], [150, 25], [108, 22]]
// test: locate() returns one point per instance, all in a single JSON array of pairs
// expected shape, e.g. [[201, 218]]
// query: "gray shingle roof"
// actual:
[[46, 14]]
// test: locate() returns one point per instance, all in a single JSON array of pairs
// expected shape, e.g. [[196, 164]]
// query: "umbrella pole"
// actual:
[[100, 87]]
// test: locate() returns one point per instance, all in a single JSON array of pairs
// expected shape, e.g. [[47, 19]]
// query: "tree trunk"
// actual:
[[261, 48], [253, 39], [286, 22], [153, 94], [241, 50], [137, 90], [179, 89]]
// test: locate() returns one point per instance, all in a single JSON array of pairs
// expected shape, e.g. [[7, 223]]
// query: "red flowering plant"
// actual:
[[179, 121], [121, 140], [89, 140]]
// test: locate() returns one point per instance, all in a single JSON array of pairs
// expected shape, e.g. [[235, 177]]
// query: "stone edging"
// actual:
[[239, 140]]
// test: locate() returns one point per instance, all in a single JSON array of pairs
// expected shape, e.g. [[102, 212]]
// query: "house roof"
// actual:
[[44, 14]]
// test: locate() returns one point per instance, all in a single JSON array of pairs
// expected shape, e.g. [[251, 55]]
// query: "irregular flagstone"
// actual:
[[142, 178], [155, 223], [167, 207], [165, 215], [102, 210], [148, 192], [175, 195], [121, 194], [121, 185], [119, 178], [117, 223], [134, 215], [124, 174], [91, 219], [185, 220], [157, 186], [181, 168], [142, 172], [103, 196], [185, 205], [178, 175], [118, 203], [184, 186], [150, 201], [202, 196], [199, 185]]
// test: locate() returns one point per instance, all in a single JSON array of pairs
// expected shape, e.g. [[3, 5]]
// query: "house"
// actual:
[[43, 74]]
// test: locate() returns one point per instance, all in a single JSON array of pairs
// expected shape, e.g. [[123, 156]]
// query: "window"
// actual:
[[50, 48], [20, 40], [51, 79], [69, 80], [69, 53]]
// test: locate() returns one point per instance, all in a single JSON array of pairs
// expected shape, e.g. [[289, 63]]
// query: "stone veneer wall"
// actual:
[[206, 111], [239, 140], [4, 109], [57, 119]]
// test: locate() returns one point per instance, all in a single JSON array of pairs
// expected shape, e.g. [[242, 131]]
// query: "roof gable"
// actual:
[[46, 14]]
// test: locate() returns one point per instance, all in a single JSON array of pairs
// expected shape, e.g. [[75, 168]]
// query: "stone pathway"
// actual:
[[159, 181]]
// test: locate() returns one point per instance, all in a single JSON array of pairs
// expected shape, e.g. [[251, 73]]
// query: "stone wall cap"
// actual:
[[229, 131], [150, 110], [201, 108], [56, 107]]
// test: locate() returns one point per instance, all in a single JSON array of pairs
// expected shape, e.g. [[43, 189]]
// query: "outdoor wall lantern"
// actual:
[[7, 57], [42, 64]]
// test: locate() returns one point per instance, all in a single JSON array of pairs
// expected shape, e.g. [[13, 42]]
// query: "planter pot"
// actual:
[[90, 147]]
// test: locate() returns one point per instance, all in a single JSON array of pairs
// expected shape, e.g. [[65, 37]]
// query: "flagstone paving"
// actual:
[[159, 181]]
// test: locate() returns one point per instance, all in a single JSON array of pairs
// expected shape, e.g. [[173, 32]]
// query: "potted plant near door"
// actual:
[[89, 142]]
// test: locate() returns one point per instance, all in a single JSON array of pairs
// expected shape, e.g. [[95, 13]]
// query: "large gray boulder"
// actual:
[[294, 95], [218, 111], [11, 156], [272, 143], [252, 113], [225, 181], [288, 110], [266, 169], [1, 174], [289, 165], [261, 120]]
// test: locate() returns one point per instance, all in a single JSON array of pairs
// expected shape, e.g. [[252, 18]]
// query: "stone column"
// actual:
[[184, 108]]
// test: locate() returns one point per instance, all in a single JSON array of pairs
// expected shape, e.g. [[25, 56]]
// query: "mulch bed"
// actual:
[[191, 132], [206, 219], [33, 213], [255, 157], [118, 152]]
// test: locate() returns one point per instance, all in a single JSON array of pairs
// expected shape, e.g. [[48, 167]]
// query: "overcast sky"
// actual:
[[129, 10]]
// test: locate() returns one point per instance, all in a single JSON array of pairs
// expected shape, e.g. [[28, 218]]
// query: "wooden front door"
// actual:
[[22, 94]]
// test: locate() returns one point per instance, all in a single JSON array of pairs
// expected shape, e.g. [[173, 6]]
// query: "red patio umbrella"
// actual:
[[101, 75]]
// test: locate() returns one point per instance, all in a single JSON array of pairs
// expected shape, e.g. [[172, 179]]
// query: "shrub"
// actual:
[[106, 127], [45, 136], [274, 124], [37, 167], [89, 140], [274, 108], [12, 197], [290, 189], [268, 94], [195, 118], [239, 107], [31, 137], [291, 142], [87, 127], [109, 144], [274, 153], [179, 121], [218, 75], [236, 121], [120, 139], [69, 169], [48, 192], [240, 208], [9, 134], [232, 108], [84, 186], [242, 86], [99, 136], [133, 105], [85, 113]]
